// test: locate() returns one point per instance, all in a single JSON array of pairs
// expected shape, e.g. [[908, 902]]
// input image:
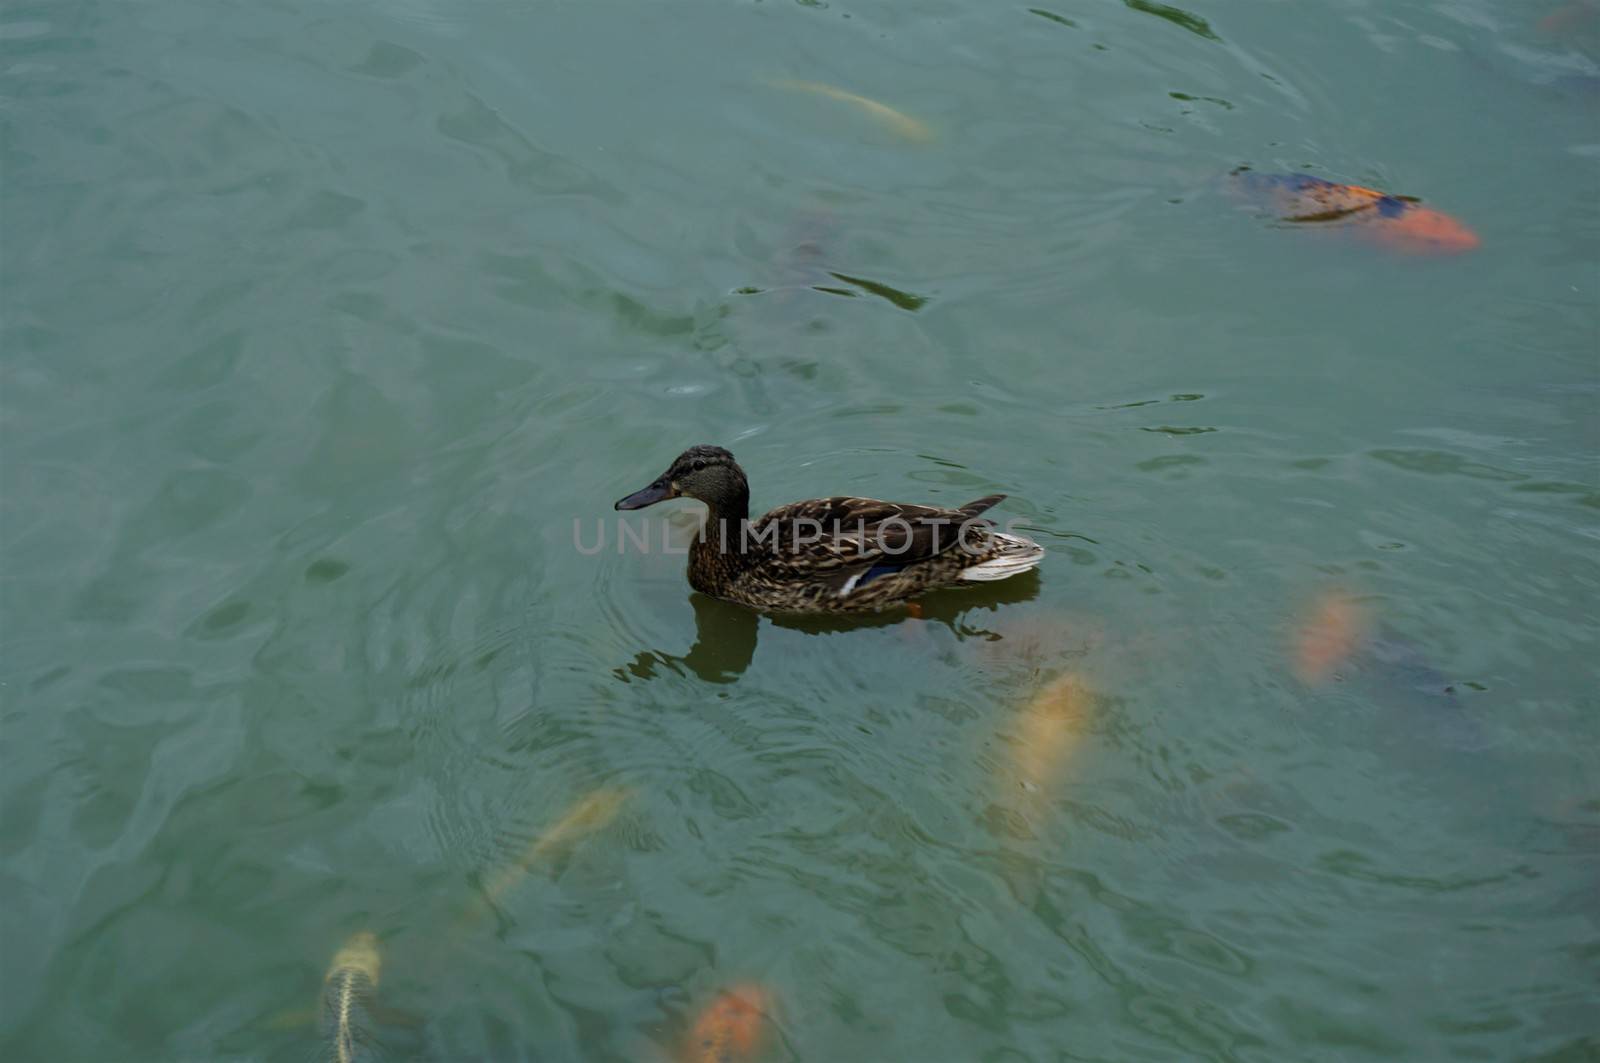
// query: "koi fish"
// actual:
[[899, 122], [1437, 729], [1334, 628], [587, 816], [1339, 636], [1052, 726], [348, 987], [1397, 222], [731, 1028]]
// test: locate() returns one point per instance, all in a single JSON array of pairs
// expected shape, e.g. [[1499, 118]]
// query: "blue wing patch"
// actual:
[[875, 571], [1392, 207], [861, 580]]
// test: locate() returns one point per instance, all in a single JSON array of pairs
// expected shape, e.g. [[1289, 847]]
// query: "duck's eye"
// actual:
[[699, 463]]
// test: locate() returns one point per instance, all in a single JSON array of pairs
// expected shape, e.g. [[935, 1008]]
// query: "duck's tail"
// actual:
[[1006, 556], [978, 505]]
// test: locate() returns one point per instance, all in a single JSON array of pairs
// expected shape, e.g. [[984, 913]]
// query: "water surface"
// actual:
[[324, 322]]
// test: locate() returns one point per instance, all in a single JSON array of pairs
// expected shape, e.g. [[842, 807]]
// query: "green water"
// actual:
[[325, 321]]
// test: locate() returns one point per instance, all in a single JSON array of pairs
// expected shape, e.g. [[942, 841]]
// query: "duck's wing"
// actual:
[[842, 541]]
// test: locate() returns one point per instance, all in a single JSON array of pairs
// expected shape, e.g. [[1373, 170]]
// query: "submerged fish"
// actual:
[[901, 123], [1339, 639], [1331, 631], [1052, 725], [587, 816], [1397, 222], [347, 991], [1403, 664], [732, 1026]]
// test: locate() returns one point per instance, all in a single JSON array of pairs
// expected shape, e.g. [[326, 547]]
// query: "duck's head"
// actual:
[[702, 472]]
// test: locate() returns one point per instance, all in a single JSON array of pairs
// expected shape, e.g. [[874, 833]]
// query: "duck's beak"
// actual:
[[659, 491]]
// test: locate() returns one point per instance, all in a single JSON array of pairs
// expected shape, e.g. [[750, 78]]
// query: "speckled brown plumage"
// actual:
[[829, 555]]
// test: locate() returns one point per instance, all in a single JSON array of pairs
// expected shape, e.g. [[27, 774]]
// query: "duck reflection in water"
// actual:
[[726, 634]]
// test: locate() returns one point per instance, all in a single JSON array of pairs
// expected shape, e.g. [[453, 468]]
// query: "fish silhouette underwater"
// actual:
[[732, 1028], [1341, 639], [592, 813], [348, 990], [1399, 223], [896, 121]]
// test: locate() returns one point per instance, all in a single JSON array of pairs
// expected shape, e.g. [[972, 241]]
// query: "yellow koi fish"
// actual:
[[901, 123], [348, 987], [1052, 726], [589, 815]]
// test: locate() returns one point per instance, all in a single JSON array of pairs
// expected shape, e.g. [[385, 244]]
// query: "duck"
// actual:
[[829, 555]]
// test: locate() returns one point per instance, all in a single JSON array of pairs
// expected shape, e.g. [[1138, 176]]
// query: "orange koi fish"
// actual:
[[1397, 222], [731, 1028], [1334, 629]]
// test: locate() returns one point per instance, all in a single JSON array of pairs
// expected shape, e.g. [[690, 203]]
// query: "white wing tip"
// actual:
[[1020, 555]]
